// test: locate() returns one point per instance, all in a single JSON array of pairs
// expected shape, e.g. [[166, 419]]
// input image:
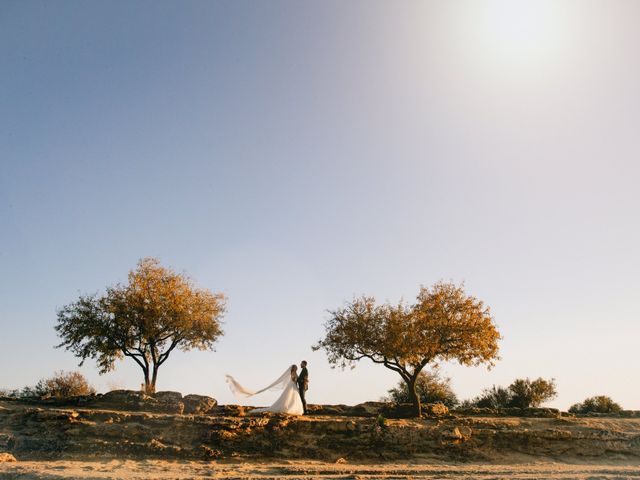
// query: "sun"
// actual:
[[520, 27], [514, 34]]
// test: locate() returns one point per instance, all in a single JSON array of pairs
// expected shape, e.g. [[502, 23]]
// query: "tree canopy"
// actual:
[[444, 323], [156, 312]]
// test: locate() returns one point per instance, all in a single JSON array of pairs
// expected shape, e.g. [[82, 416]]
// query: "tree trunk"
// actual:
[[154, 377], [149, 385], [414, 397]]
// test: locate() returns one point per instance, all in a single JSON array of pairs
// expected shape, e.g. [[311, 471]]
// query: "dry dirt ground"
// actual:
[[157, 469], [92, 443]]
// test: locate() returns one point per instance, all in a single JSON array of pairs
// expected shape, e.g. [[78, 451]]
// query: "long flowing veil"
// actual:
[[239, 391]]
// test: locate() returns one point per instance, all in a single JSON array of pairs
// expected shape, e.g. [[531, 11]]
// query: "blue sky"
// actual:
[[292, 155]]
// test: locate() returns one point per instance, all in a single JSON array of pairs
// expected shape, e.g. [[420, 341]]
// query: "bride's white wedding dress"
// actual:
[[288, 402]]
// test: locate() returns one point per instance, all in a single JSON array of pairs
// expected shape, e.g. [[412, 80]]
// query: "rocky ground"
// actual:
[[118, 439]]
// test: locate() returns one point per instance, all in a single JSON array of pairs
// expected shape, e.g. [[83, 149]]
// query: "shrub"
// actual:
[[7, 392], [70, 384], [522, 393], [597, 404], [531, 393], [60, 385], [430, 387], [494, 397]]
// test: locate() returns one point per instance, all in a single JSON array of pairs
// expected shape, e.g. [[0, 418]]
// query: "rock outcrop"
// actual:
[[198, 403], [29, 432], [131, 400], [373, 409]]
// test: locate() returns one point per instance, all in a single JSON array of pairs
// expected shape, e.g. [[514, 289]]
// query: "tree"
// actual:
[[597, 404], [527, 393], [443, 324], [431, 388], [156, 312]]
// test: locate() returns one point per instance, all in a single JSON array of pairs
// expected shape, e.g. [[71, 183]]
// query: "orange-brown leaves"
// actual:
[[443, 324], [166, 303], [454, 326], [157, 311]]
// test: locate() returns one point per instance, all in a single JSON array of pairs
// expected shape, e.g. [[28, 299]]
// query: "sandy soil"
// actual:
[[148, 469]]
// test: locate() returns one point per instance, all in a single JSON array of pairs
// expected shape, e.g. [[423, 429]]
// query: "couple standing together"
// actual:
[[293, 386]]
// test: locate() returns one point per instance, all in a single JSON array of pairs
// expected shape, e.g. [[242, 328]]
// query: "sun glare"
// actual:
[[515, 34], [522, 26]]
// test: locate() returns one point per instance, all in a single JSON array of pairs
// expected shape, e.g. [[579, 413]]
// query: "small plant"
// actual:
[[379, 434], [597, 404]]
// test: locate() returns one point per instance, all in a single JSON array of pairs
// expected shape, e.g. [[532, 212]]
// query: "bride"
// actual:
[[288, 402]]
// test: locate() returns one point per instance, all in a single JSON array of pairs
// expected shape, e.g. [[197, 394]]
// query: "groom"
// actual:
[[303, 383]]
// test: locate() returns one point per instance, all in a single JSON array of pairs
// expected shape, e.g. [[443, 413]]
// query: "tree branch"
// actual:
[[135, 357], [163, 357]]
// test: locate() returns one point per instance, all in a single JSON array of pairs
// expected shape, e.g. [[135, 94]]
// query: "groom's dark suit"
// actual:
[[303, 385]]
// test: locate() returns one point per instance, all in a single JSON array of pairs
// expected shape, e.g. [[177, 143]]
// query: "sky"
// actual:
[[293, 155]]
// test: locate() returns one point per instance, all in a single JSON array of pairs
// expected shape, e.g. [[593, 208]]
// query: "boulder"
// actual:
[[168, 402], [455, 434], [162, 402], [327, 409], [7, 457], [168, 397], [198, 403], [366, 409], [451, 434], [435, 409], [122, 397]]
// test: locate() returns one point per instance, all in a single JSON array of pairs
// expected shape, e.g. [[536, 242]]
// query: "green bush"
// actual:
[[431, 388], [494, 397], [597, 404], [531, 393], [522, 393]]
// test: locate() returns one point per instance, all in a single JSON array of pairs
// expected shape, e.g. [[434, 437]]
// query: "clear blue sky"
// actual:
[[294, 154]]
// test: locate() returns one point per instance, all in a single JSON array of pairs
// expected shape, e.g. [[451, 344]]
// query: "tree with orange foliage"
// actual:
[[443, 324], [157, 312]]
